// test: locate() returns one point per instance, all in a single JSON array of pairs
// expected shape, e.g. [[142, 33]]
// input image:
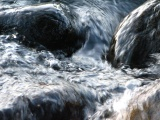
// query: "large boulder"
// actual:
[[137, 37]]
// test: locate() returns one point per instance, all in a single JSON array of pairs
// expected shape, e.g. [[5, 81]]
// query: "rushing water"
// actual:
[[81, 81]]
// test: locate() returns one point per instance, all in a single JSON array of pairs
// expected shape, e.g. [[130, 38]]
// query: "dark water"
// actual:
[[44, 84]]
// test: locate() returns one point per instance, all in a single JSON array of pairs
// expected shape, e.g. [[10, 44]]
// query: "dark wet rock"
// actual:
[[64, 26], [137, 37], [144, 104], [43, 25]]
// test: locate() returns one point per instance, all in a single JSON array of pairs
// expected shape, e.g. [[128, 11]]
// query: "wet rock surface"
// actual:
[[137, 37], [41, 101], [42, 27]]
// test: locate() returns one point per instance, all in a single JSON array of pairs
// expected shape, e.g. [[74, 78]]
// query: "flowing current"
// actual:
[[45, 84]]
